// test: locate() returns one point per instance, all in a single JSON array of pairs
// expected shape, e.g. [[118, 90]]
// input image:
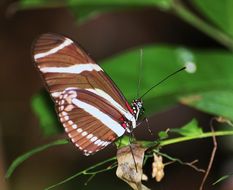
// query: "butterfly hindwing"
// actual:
[[85, 120]]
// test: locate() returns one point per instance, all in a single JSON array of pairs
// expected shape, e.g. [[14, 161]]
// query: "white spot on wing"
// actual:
[[100, 143], [74, 126], [106, 143], [84, 133], [64, 113], [56, 94], [97, 142], [61, 108], [76, 144], [79, 130], [89, 136], [70, 122], [94, 139], [69, 108]]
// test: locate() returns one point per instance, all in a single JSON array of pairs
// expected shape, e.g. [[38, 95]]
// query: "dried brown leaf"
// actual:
[[130, 160]]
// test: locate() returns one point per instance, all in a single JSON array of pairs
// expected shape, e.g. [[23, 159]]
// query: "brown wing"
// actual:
[[89, 104]]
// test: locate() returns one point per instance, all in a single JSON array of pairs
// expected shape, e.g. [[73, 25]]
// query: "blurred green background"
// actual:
[[172, 33]]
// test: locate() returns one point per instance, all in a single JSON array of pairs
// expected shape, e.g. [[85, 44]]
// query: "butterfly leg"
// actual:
[[145, 119], [131, 140]]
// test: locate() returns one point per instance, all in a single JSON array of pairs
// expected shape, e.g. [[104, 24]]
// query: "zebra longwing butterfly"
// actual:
[[90, 106]]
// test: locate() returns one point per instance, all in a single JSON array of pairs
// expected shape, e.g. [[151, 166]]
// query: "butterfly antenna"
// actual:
[[140, 73], [162, 81]]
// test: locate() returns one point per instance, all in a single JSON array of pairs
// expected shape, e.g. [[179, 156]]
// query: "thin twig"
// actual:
[[224, 120], [148, 127], [190, 164], [89, 179], [88, 172], [212, 155]]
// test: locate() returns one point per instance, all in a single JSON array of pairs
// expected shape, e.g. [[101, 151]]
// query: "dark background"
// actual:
[[102, 37]]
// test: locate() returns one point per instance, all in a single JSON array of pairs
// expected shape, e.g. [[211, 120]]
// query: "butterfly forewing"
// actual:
[[89, 104]]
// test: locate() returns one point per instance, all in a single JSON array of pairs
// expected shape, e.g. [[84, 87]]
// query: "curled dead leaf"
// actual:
[[157, 168], [130, 161], [144, 177]]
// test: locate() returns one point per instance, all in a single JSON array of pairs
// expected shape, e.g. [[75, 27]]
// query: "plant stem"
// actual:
[[195, 21], [182, 139]]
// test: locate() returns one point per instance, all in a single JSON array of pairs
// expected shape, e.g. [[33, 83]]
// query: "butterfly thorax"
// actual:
[[137, 106], [136, 110]]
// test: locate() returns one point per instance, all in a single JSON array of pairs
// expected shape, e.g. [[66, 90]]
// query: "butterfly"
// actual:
[[91, 108]]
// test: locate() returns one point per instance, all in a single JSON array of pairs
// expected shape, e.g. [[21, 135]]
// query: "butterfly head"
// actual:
[[137, 106]]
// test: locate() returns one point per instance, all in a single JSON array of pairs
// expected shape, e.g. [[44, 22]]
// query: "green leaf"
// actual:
[[218, 102], [213, 72], [86, 9], [190, 129], [163, 135], [219, 12], [222, 178], [83, 13], [27, 155], [32, 4], [43, 107], [123, 141]]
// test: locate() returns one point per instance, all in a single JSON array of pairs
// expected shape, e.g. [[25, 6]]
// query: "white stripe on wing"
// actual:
[[117, 106], [74, 69], [53, 50], [102, 117]]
